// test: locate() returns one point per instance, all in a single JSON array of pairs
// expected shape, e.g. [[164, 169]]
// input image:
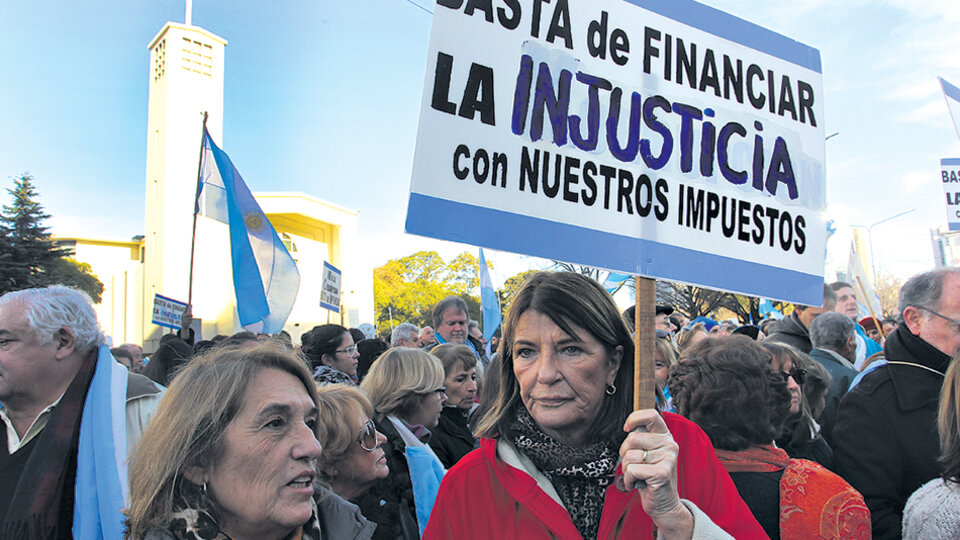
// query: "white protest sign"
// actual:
[[167, 311], [950, 176], [666, 139], [330, 292]]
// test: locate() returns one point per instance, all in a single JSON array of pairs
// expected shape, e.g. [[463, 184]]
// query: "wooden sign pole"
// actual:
[[644, 383], [644, 353]]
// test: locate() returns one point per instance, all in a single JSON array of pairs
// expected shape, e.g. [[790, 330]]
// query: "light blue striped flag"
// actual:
[[862, 287], [265, 276], [614, 280], [489, 305], [766, 306], [100, 491]]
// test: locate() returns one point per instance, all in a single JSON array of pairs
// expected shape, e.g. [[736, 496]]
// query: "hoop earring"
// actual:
[[611, 389]]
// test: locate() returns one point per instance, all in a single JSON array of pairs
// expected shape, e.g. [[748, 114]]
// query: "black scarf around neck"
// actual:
[[904, 346], [579, 474]]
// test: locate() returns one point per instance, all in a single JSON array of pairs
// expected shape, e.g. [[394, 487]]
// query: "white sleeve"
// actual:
[[703, 527]]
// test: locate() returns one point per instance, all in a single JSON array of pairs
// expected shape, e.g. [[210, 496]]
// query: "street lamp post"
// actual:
[[873, 261]]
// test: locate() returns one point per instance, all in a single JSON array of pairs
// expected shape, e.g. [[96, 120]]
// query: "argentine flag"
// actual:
[[489, 305], [613, 281], [265, 277], [862, 287]]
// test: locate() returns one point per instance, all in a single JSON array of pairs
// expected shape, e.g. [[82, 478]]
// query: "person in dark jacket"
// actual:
[[728, 386], [405, 387], [799, 435], [332, 354], [886, 433], [793, 330], [834, 341], [452, 439]]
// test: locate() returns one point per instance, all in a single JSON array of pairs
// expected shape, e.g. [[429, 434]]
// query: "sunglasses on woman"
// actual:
[[368, 437], [799, 375]]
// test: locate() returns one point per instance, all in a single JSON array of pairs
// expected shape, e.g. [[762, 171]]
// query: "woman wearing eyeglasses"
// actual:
[[333, 354], [800, 435], [733, 389], [406, 389], [452, 439], [352, 459]]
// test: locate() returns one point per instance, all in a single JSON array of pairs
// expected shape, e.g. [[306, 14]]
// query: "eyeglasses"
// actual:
[[956, 323], [442, 390], [349, 350], [368, 437], [799, 375]]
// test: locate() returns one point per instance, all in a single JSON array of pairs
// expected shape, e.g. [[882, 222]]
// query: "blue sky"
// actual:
[[323, 97]]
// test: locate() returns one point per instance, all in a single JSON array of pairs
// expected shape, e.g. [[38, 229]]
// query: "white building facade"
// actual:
[[186, 81]]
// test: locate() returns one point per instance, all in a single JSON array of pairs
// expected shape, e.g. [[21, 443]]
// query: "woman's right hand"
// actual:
[[651, 457]]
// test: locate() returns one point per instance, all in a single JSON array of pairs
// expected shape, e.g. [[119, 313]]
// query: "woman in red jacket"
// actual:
[[556, 438]]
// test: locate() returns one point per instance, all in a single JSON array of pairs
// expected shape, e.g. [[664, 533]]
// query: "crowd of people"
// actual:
[[819, 425]]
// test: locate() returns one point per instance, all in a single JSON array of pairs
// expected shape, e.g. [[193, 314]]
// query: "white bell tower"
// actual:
[[186, 79]]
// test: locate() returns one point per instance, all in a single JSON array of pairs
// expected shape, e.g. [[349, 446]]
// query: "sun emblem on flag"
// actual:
[[254, 221]]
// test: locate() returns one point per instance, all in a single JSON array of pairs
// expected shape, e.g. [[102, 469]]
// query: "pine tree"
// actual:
[[28, 258], [7, 272]]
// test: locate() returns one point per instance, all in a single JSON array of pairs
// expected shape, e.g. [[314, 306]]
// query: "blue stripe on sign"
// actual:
[[735, 29], [948, 89], [505, 231], [949, 162], [955, 226]]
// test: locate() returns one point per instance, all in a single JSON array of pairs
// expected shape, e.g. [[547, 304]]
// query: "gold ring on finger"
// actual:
[[644, 458]]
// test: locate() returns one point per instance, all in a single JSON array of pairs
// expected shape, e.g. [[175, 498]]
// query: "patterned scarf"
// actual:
[[579, 474], [190, 521], [48, 474], [326, 375]]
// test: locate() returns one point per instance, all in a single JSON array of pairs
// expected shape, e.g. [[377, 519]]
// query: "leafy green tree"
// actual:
[[463, 273], [75, 274], [406, 289], [28, 257], [510, 288]]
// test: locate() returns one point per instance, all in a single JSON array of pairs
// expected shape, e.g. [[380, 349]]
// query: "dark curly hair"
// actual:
[[321, 340], [727, 386]]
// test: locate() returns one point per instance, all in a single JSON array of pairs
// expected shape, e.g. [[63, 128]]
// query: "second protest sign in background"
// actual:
[[666, 139]]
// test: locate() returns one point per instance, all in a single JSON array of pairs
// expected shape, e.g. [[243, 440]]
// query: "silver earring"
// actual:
[[203, 488], [611, 389]]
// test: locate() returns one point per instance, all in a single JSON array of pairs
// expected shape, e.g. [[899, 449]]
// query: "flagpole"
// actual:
[[866, 300], [196, 208]]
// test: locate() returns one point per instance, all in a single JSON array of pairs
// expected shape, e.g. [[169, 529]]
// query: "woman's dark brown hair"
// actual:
[[799, 429], [567, 298], [727, 386]]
